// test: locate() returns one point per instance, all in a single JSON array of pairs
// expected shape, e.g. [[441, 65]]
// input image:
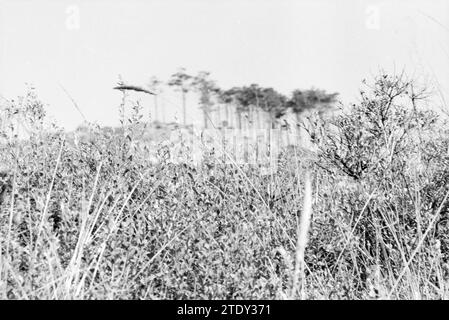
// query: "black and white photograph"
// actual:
[[232, 150]]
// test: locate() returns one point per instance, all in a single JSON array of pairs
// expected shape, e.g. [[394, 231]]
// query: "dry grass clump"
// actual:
[[365, 217]]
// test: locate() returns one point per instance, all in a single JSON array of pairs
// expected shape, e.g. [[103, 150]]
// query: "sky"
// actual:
[[83, 47]]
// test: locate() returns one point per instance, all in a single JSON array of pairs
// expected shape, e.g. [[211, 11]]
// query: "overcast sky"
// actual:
[[330, 44]]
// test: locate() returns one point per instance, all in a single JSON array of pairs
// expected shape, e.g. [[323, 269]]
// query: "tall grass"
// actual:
[[364, 216], [302, 234]]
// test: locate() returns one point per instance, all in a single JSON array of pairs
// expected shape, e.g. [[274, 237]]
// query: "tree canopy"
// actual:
[[304, 100], [251, 98]]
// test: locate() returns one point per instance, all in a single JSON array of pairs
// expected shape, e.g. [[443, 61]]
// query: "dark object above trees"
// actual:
[[133, 88]]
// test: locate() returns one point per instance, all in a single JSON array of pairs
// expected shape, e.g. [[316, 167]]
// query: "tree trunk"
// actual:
[[239, 119], [227, 115], [250, 117], [184, 108], [205, 117], [289, 142], [163, 111], [155, 109], [218, 110], [258, 118], [298, 129], [272, 121]]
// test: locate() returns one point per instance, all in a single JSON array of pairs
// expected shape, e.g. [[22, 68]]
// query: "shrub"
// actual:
[[386, 148]]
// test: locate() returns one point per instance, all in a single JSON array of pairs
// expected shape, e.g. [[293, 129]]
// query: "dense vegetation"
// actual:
[[92, 217]]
